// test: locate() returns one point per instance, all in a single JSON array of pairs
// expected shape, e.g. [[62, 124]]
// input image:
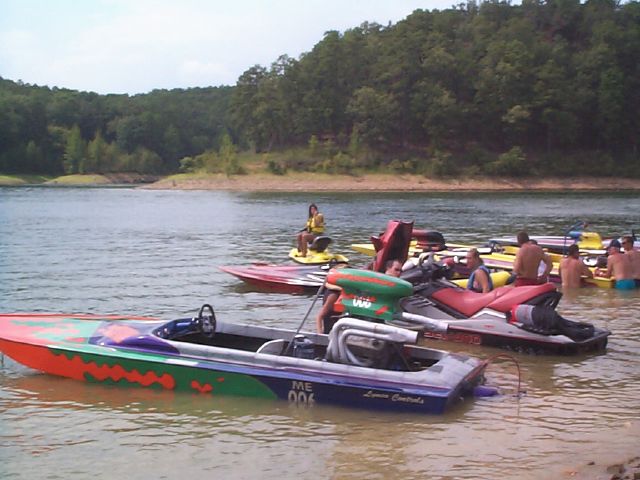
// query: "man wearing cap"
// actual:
[[618, 267]]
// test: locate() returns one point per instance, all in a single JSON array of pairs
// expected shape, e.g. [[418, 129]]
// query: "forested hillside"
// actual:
[[491, 88]]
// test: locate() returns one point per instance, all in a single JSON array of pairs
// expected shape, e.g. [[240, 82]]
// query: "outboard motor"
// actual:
[[368, 294]]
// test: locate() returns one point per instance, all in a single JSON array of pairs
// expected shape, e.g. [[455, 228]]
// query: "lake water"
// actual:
[[148, 252]]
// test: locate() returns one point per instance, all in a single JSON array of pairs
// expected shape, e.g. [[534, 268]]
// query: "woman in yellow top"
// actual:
[[313, 228]]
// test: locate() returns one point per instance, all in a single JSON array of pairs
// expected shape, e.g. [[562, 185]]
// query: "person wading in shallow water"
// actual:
[[527, 262], [619, 267], [313, 228], [634, 257], [572, 269]]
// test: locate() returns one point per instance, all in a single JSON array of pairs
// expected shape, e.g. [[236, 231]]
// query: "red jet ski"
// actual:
[[517, 318], [523, 319]]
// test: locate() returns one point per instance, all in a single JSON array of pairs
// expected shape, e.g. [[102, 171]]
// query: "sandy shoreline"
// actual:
[[319, 182], [385, 182]]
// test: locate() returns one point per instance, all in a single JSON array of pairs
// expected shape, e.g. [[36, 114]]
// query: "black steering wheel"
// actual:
[[433, 270], [425, 260], [206, 321]]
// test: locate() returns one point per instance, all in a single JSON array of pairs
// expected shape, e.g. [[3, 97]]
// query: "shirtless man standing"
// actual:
[[572, 269], [527, 261], [634, 256], [618, 267]]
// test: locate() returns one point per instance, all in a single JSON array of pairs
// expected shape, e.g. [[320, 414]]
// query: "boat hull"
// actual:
[[518, 340], [280, 278], [122, 353]]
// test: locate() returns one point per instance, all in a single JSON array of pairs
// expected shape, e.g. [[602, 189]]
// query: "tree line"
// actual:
[[545, 87], [55, 131]]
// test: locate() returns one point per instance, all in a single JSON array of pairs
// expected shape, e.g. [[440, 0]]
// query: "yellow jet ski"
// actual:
[[499, 279], [317, 253]]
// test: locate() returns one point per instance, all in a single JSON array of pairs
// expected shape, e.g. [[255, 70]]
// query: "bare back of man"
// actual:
[[619, 266], [571, 271], [634, 256], [527, 262]]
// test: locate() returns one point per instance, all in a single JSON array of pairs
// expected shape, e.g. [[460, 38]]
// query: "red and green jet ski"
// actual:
[[516, 318]]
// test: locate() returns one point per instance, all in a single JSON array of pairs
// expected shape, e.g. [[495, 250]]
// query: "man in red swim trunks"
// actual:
[[527, 262]]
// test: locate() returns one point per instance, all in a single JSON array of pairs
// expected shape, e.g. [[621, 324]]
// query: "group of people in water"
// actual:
[[531, 266], [624, 267]]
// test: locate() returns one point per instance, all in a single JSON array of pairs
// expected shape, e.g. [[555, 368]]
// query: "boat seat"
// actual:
[[320, 244], [273, 347], [501, 299]]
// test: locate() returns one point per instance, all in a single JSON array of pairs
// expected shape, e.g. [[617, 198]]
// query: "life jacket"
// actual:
[[313, 228], [472, 278]]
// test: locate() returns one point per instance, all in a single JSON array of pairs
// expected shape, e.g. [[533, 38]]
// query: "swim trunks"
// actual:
[[523, 282], [626, 284]]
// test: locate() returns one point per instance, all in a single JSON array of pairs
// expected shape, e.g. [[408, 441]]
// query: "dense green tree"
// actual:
[[96, 159], [74, 152], [374, 114]]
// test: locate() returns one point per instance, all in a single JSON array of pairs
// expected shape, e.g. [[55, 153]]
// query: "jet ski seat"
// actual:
[[501, 299], [320, 244]]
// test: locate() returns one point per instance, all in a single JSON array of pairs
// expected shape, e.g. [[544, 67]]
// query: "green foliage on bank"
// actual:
[[490, 88], [20, 180]]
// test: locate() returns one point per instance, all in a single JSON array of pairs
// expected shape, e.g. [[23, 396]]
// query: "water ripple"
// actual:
[[157, 253]]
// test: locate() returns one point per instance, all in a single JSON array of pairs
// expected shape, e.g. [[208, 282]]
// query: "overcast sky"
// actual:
[[135, 46]]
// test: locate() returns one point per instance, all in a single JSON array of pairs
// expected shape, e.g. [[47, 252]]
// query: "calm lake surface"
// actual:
[[148, 252]]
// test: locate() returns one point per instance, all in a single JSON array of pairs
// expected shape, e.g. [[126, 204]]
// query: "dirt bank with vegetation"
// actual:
[[317, 182], [384, 182]]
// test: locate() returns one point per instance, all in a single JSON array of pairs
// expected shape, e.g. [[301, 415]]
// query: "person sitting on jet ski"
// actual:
[[527, 262], [313, 228], [480, 278]]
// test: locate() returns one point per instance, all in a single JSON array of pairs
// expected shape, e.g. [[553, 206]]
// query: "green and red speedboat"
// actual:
[[359, 364]]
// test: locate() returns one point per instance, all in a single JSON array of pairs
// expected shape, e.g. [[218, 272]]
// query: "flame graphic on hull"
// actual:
[[71, 365]]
